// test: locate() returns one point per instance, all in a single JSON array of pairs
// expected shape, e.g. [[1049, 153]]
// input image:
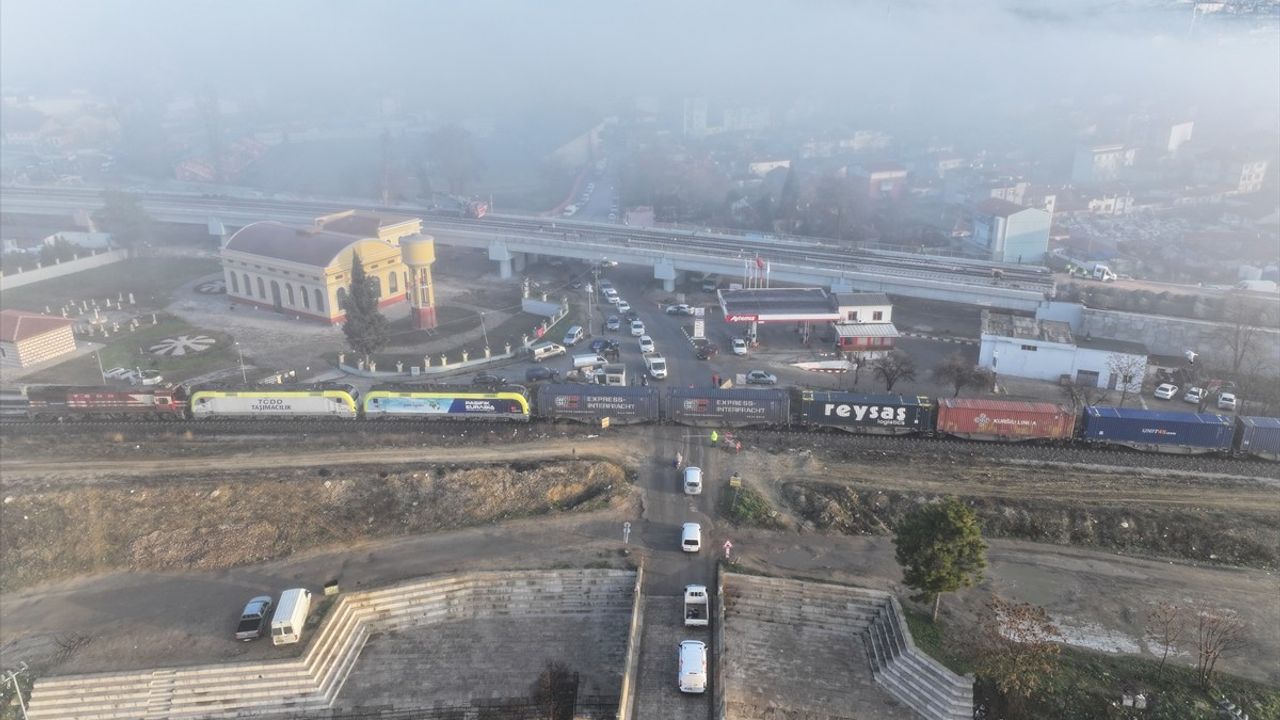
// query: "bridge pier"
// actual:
[[499, 253], [665, 270], [518, 261]]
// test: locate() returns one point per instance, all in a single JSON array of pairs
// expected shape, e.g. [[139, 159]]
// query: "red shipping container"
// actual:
[[975, 419]]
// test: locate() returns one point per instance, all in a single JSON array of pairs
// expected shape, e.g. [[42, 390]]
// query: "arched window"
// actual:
[[393, 283], [319, 300], [262, 289], [248, 289], [377, 286], [306, 299], [235, 283], [288, 291], [342, 298]]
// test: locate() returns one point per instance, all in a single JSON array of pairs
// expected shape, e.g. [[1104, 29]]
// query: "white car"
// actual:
[[624, 307], [147, 378], [646, 344], [1166, 391], [1227, 401], [1195, 395], [637, 328], [681, 309], [739, 346], [692, 481], [693, 667], [760, 377], [118, 373], [612, 296], [691, 537]]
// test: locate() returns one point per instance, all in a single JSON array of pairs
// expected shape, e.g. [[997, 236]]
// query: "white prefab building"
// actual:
[[1024, 347]]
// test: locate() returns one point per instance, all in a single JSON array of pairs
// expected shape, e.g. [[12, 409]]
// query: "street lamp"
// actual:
[[484, 330], [995, 363], [244, 378], [101, 373]]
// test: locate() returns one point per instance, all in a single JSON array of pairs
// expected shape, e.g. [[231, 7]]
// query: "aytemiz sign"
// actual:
[[741, 318]]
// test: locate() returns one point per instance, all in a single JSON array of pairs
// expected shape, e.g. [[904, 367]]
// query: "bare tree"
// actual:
[[1016, 647], [1081, 395], [1128, 371], [894, 366], [957, 371], [1219, 632], [1166, 624], [1241, 328]]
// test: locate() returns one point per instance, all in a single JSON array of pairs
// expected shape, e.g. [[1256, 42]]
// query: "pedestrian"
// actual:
[[715, 379], [679, 460]]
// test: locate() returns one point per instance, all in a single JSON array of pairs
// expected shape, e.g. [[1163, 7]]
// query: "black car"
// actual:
[[600, 345], [488, 380], [534, 374], [632, 316], [706, 351]]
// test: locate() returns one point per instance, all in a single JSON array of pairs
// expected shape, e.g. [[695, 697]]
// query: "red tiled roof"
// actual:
[[16, 325]]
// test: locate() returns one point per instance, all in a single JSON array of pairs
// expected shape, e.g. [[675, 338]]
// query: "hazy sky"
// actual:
[[493, 56]]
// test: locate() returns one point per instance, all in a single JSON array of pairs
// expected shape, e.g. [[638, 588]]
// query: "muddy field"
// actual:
[[207, 518]]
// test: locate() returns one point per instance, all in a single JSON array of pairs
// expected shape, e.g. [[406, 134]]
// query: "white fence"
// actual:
[[27, 277]]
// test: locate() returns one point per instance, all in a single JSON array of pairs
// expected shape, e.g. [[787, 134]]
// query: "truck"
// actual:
[[696, 609], [655, 365], [291, 616], [253, 618]]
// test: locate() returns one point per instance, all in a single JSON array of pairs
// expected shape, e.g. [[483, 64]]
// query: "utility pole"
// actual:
[[12, 677]]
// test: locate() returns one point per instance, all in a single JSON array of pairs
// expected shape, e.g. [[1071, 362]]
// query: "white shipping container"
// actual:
[[262, 406]]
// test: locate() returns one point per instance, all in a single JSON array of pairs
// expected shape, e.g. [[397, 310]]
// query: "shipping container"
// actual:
[[62, 401], [707, 407], [1004, 420], [320, 401], [872, 414], [1259, 436], [592, 403], [1158, 430], [380, 403]]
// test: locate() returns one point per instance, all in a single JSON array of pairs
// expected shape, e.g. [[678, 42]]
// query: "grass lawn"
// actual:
[[151, 280], [131, 350], [1087, 683]]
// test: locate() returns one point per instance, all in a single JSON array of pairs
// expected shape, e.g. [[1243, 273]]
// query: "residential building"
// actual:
[[882, 181], [865, 323], [27, 338], [695, 117], [1101, 163], [1025, 347], [1008, 232]]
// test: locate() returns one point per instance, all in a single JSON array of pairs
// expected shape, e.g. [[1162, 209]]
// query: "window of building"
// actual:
[[851, 316], [248, 289], [393, 283], [262, 290], [306, 299], [319, 300], [377, 287], [877, 315], [235, 283], [1030, 348], [288, 291], [342, 298]]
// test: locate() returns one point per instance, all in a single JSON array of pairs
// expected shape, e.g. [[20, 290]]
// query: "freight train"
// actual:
[[885, 414]]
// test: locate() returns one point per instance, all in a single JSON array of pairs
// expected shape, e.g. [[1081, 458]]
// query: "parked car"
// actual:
[[118, 373], [1227, 401], [535, 374], [253, 619], [632, 316], [692, 659], [637, 328], [706, 351], [613, 323], [646, 344], [1195, 395], [600, 345], [624, 307], [488, 380], [760, 377], [1166, 391], [681, 309], [146, 377], [739, 346]]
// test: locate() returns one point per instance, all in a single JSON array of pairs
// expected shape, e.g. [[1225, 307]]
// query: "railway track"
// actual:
[[766, 439]]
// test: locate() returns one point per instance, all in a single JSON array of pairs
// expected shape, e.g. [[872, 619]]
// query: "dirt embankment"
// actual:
[[235, 517]]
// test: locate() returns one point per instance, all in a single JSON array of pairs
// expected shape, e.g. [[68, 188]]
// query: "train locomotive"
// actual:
[[872, 414]]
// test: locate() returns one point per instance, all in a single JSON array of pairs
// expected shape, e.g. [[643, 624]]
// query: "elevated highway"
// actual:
[[511, 240]]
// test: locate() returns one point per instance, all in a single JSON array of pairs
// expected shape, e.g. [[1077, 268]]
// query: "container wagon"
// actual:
[[592, 403], [1158, 430], [382, 403], [871, 414], [1004, 421], [1259, 436], [706, 407], [61, 402], [276, 402]]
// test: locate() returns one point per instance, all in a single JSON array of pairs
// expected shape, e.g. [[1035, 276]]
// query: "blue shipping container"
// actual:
[[1172, 432], [592, 403], [1260, 436], [708, 407]]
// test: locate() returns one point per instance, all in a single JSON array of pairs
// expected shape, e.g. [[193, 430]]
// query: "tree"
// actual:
[[893, 367], [1128, 371], [1081, 395], [1165, 625], [455, 157], [1016, 647], [940, 549], [957, 371], [1241, 329], [365, 327], [1218, 632], [122, 216]]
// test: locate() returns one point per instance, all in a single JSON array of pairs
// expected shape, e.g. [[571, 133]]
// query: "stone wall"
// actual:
[[1173, 336]]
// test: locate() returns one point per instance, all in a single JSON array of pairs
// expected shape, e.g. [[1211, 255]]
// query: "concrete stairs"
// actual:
[[313, 681], [870, 618]]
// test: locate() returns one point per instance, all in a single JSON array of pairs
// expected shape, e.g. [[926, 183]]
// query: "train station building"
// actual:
[[305, 271], [861, 322]]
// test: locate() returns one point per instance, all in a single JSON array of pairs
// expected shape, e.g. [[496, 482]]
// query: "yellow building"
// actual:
[[305, 271]]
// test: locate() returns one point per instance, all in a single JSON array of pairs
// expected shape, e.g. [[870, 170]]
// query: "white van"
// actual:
[[691, 537], [587, 361], [693, 666], [574, 335], [545, 350], [290, 616], [692, 481]]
